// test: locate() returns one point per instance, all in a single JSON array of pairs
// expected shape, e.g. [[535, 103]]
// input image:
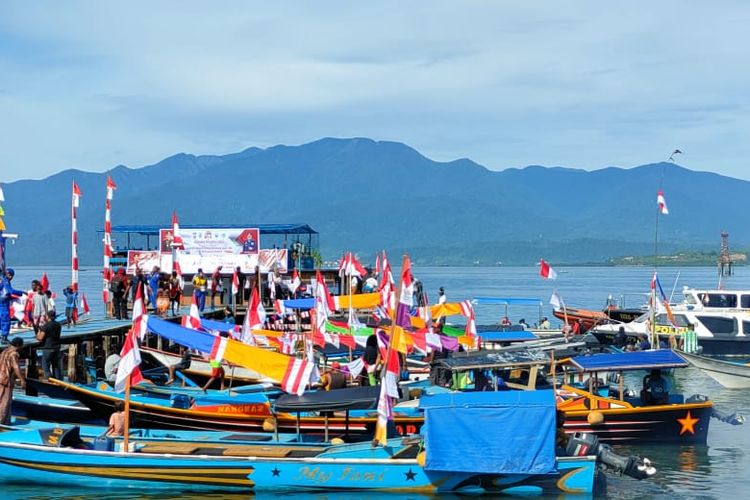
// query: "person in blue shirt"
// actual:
[[7, 295], [655, 389], [71, 305], [153, 286]]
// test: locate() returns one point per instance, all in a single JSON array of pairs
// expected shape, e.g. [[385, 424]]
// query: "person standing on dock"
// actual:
[[216, 287], [49, 340], [7, 295], [40, 306], [199, 289], [119, 288], [71, 305], [9, 372], [153, 286], [240, 284], [175, 293]]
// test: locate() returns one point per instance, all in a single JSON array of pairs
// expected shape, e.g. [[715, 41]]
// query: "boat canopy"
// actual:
[[522, 440], [624, 361], [509, 336], [218, 326], [505, 301], [353, 398], [498, 359]]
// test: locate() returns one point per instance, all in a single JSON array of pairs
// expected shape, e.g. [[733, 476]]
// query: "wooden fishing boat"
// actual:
[[454, 456], [353, 407], [730, 374], [626, 416], [52, 409]]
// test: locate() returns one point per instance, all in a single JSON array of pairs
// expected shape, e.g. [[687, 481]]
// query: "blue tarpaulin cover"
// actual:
[[509, 432], [307, 303], [511, 336], [638, 360], [187, 337], [219, 326], [506, 301]]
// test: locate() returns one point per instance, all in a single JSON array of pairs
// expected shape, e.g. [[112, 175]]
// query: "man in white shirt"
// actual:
[[441, 296]]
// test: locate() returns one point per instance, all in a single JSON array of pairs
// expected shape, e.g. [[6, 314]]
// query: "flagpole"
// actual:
[[127, 416]]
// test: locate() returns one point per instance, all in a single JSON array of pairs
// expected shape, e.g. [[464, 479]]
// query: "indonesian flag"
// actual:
[[111, 186], [130, 361], [85, 304], [350, 266], [468, 311], [140, 318], [18, 307], [177, 241], [377, 264], [406, 299], [45, 282], [546, 271], [662, 203], [235, 283], [295, 283], [193, 319], [2, 195], [76, 195], [255, 318], [324, 304]]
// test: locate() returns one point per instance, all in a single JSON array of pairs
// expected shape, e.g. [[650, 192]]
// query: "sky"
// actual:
[[90, 85]]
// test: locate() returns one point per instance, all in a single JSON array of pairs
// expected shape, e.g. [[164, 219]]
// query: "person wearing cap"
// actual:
[[7, 295], [199, 289], [333, 378]]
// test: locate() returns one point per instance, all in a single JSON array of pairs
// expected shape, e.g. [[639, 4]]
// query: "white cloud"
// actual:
[[584, 84]]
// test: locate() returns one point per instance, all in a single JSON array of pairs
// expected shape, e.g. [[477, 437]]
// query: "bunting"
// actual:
[[193, 319], [140, 318]]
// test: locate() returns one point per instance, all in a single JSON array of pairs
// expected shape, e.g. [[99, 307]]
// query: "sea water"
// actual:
[[719, 469]]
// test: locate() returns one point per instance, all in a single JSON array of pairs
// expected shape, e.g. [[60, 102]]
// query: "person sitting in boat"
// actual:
[[544, 324], [522, 324], [183, 364], [505, 322], [333, 378], [117, 420], [655, 389], [621, 338], [644, 344]]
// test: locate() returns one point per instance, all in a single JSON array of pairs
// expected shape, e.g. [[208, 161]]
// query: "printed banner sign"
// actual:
[[142, 259], [213, 242]]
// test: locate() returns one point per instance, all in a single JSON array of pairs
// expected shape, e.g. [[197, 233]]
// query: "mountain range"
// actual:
[[365, 195]]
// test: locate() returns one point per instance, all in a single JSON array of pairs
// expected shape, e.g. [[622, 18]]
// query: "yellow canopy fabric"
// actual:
[[358, 301]]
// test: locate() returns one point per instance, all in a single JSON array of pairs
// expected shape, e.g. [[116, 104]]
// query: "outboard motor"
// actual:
[[582, 444], [730, 418]]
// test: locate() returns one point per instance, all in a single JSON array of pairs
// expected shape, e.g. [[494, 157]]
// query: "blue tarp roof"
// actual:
[[219, 326], [506, 301], [187, 337], [149, 229], [522, 440], [510, 336], [639, 360]]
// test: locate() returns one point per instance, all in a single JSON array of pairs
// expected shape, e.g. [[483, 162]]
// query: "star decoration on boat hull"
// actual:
[[410, 475], [688, 423], [275, 472]]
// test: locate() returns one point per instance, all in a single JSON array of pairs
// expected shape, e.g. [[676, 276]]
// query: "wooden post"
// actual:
[[72, 371]]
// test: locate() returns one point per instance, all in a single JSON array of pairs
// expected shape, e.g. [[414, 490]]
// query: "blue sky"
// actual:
[[90, 85]]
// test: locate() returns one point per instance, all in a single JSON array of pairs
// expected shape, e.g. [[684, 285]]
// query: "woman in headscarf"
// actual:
[[9, 372]]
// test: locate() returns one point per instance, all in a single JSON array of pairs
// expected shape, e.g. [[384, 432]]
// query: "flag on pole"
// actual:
[[76, 195], [662, 203], [193, 319], [546, 271], [177, 241], [256, 312], [140, 318], [556, 301], [130, 361], [85, 304], [45, 282], [295, 283], [235, 283], [2, 195], [108, 249]]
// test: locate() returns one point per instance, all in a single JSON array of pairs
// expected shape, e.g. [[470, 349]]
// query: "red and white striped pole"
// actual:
[[74, 236], [107, 270]]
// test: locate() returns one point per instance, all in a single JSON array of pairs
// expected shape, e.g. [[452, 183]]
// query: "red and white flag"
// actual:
[[350, 266], [297, 376], [177, 241], [546, 271], [324, 304], [76, 195], [662, 203], [85, 304], [467, 309], [140, 318], [235, 283], [130, 361], [256, 312], [295, 283], [193, 319]]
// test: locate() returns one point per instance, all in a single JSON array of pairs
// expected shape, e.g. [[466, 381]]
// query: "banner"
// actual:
[[213, 242], [142, 259], [266, 259]]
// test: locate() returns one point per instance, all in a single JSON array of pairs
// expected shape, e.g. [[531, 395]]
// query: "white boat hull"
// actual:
[[729, 375]]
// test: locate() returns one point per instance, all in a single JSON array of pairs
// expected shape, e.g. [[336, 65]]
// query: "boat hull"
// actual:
[[203, 473], [729, 375], [671, 424]]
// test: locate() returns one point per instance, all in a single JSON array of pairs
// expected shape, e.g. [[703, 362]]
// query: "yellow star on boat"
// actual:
[[688, 423]]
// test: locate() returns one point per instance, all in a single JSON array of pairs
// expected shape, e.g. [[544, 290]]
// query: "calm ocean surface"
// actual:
[[718, 470]]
